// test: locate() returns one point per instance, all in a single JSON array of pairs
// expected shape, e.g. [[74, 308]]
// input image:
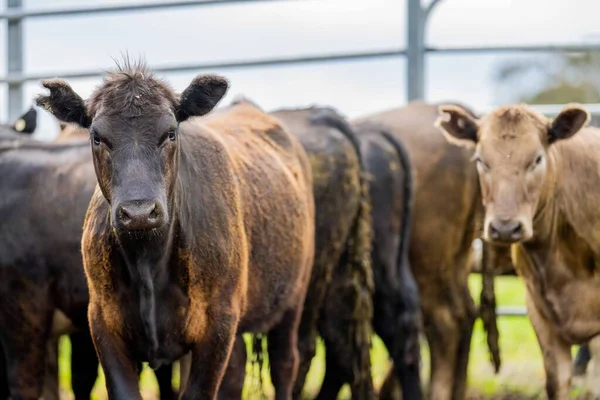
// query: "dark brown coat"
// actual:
[[45, 190], [342, 268], [223, 232], [33, 169]]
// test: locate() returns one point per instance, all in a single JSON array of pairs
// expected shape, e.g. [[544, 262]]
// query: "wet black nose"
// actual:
[[509, 231], [140, 215]]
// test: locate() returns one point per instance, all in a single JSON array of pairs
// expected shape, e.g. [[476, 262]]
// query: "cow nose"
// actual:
[[509, 231], [140, 215]]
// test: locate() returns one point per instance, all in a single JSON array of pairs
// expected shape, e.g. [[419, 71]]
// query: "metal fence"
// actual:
[[415, 52]]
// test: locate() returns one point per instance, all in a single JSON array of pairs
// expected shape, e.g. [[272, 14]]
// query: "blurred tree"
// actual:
[[559, 78]]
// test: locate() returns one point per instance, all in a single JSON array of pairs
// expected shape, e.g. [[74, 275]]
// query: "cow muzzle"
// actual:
[[506, 231], [139, 215]]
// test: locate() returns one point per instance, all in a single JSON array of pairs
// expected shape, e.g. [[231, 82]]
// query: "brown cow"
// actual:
[[342, 255], [446, 201], [539, 182], [214, 217], [71, 132]]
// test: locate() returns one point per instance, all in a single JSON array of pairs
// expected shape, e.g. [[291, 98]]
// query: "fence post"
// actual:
[[15, 61], [415, 51]]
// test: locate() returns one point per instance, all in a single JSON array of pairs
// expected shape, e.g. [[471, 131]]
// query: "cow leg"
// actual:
[[4, 389], [164, 377], [84, 364], [51, 390], [307, 342], [390, 388], [555, 351], [347, 337], [593, 379], [283, 353], [345, 324], [399, 333], [464, 345], [210, 356], [185, 365], [335, 374], [581, 360], [121, 371], [233, 381], [443, 335], [24, 335]]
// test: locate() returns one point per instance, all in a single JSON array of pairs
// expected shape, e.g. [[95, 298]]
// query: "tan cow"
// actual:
[[446, 203], [540, 184], [71, 132]]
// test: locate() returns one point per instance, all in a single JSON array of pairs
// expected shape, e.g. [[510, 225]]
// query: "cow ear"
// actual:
[[566, 124], [27, 122], [201, 96], [64, 103], [457, 125]]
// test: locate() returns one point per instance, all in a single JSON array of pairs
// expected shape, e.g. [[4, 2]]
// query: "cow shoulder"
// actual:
[[578, 188]]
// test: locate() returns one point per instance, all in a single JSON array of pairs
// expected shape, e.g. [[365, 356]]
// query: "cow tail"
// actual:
[[411, 307], [487, 308], [358, 268]]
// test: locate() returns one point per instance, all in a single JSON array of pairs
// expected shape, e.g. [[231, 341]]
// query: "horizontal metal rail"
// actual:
[[218, 65], [552, 109], [559, 48], [511, 311], [16, 15], [298, 59]]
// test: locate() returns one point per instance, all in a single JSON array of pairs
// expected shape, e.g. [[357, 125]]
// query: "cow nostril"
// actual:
[[154, 212], [517, 231], [494, 234], [123, 214], [517, 228]]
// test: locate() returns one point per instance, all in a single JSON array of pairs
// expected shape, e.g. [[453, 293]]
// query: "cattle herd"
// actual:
[[157, 228]]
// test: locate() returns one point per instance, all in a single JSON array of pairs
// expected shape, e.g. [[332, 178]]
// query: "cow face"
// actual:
[[511, 151], [133, 119]]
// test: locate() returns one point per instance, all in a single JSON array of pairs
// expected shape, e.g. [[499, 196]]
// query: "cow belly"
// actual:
[[61, 324]]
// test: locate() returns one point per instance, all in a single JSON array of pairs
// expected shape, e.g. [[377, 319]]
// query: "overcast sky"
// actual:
[[306, 27]]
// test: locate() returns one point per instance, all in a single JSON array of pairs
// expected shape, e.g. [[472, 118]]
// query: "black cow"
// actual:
[[198, 231], [45, 189]]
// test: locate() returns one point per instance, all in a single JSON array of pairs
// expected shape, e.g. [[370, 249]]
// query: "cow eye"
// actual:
[[538, 159], [172, 134], [96, 139]]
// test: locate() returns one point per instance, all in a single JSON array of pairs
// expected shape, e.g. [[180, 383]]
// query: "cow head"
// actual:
[[133, 120], [511, 151]]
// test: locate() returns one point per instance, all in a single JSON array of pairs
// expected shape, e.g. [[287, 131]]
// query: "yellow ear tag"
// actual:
[[20, 125]]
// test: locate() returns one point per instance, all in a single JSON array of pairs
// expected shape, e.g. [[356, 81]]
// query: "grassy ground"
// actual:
[[521, 373]]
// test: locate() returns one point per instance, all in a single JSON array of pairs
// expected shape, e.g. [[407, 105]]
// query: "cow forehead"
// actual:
[[510, 125], [511, 140]]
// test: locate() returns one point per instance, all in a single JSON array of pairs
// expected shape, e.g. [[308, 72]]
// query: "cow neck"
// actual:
[[150, 251], [536, 251], [147, 260], [545, 215]]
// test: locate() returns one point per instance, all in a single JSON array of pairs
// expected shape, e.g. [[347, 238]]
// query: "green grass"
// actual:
[[522, 369]]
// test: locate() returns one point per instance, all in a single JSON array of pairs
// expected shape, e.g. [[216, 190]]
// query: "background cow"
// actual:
[[40, 262], [443, 227], [397, 314], [45, 194], [342, 268]]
